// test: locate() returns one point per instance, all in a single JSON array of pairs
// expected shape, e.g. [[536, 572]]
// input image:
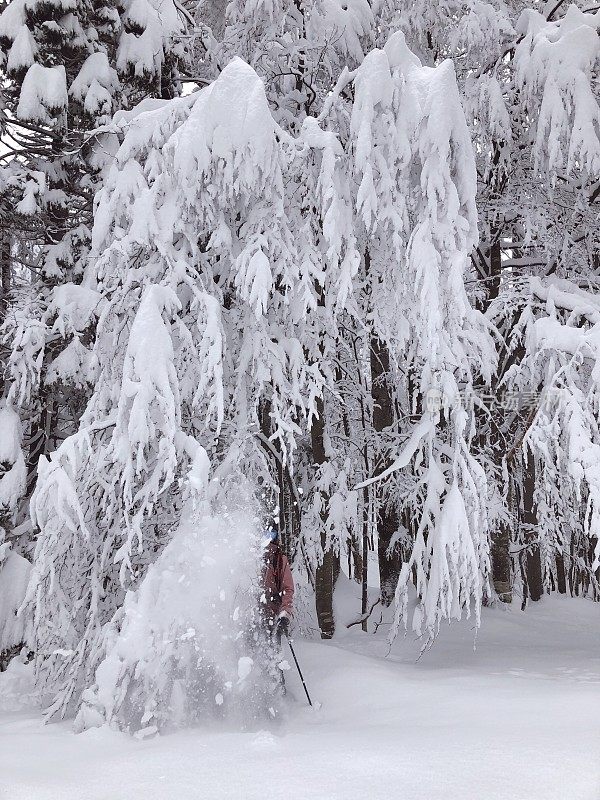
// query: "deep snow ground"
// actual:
[[518, 719]]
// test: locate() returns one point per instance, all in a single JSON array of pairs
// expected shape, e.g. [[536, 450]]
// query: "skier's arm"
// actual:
[[287, 589]]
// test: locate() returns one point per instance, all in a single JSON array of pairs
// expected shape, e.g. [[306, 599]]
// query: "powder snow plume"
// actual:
[[184, 649]]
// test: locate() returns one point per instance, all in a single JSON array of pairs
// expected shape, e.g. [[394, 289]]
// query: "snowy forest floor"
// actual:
[[516, 719]]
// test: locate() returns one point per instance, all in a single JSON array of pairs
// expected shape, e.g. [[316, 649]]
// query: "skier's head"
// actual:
[[270, 534]]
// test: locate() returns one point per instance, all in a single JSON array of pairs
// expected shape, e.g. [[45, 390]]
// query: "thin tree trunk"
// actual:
[[364, 595], [366, 496], [5, 286], [387, 516], [355, 555], [5, 273]]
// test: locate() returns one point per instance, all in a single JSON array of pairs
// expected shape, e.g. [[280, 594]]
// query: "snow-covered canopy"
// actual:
[[226, 252]]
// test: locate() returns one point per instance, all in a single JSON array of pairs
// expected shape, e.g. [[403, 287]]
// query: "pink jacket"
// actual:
[[277, 582]]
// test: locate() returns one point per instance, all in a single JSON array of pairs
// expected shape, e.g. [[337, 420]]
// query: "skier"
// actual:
[[275, 607], [277, 588]]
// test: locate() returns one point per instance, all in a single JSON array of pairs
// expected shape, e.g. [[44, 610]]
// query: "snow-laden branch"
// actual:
[[421, 430]]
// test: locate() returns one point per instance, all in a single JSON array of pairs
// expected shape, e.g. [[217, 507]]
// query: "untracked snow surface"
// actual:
[[515, 720]]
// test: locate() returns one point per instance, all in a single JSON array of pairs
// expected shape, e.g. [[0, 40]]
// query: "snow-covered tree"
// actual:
[[225, 255], [205, 300], [540, 203], [66, 70], [14, 569]]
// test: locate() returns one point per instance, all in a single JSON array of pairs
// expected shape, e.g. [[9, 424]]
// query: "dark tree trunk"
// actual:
[[561, 579], [389, 563], [500, 538], [364, 595], [495, 256], [529, 519], [328, 570], [501, 563], [5, 284], [326, 576], [5, 274], [39, 438], [355, 559], [43, 423], [388, 521], [355, 548]]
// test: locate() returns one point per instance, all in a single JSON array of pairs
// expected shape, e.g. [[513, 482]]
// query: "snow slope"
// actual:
[[517, 719]]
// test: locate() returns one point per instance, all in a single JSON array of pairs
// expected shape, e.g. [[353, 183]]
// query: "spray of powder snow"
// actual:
[[187, 648]]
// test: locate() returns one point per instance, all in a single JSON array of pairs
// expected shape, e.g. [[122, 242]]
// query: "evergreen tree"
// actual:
[[66, 70]]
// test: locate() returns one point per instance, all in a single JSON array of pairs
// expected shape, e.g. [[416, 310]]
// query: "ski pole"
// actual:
[[299, 671]]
